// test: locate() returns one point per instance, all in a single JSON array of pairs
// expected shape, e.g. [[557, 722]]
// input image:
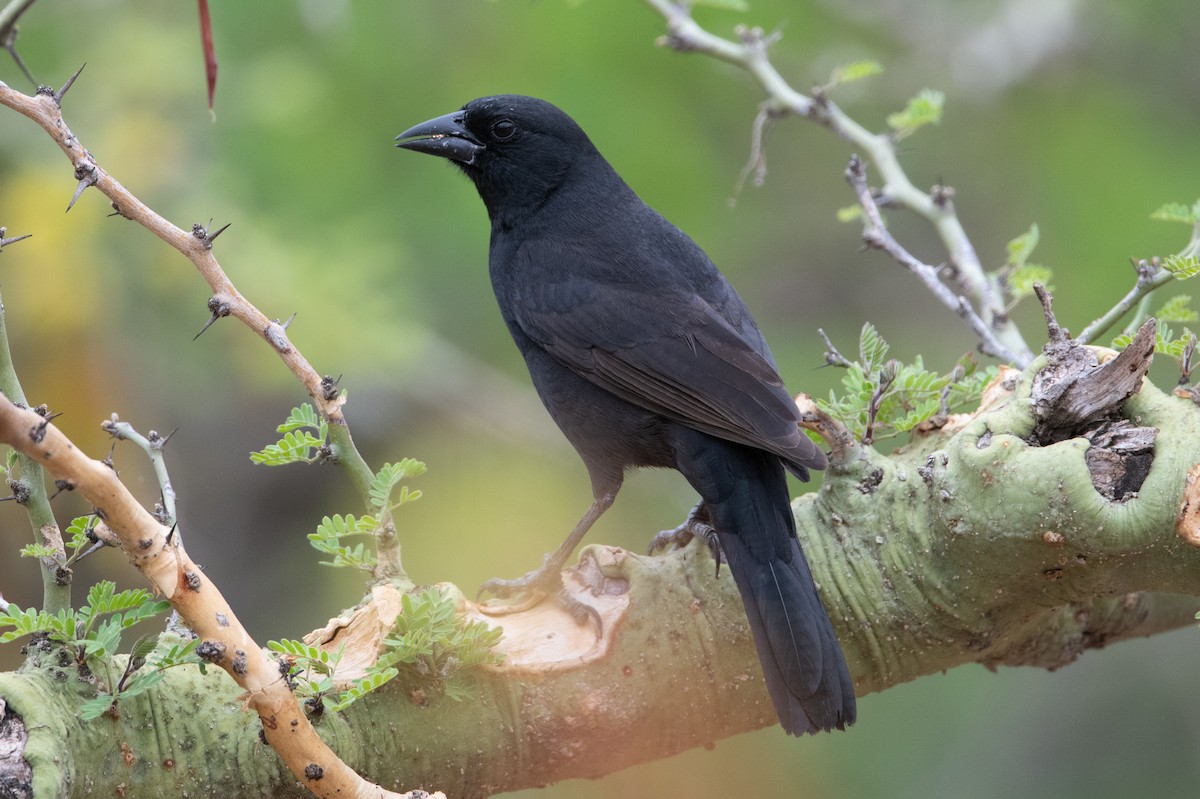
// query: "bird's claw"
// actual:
[[536, 586], [539, 582], [696, 525]]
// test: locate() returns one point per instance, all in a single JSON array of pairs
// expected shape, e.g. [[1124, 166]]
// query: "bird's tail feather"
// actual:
[[802, 662], [744, 491]]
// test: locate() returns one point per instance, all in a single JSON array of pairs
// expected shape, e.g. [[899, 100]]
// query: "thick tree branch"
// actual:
[[971, 545]]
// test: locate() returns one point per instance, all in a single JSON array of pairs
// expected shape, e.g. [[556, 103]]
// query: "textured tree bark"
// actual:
[[988, 540]]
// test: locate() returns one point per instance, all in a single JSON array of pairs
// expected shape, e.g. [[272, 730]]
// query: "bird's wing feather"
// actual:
[[672, 351]]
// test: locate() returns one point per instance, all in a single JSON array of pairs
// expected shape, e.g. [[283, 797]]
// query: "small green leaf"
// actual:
[[38, 551], [77, 532], [1021, 280], [855, 70], [143, 647], [872, 348], [1177, 309], [1178, 212], [923, 109], [1020, 248], [97, 707], [302, 416], [176, 654], [361, 687], [105, 641], [141, 682], [850, 213], [294, 447], [389, 477], [1182, 266], [144, 611]]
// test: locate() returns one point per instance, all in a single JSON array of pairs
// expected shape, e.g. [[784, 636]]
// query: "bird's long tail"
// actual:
[[745, 493]]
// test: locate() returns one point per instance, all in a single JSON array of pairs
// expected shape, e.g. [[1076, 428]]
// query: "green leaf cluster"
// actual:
[[1178, 309], [329, 539], [431, 645], [851, 72], [1178, 212], [923, 109], [94, 633], [146, 667], [387, 492], [1018, 275], [1182, 266], [1186, 263], [95, 628], [311, 671], [1166, 342], [303, 441], [79, 538], [388, 478], [883, 397], [305, 435]]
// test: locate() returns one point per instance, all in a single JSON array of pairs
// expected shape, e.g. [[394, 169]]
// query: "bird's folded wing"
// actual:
[[673, 353]]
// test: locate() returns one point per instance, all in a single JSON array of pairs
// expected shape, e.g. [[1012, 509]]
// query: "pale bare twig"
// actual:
[[750, 53], [1150, 276], [875, 234]]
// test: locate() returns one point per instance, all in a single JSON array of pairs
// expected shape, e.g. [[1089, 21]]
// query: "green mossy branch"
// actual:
[[970, 546]]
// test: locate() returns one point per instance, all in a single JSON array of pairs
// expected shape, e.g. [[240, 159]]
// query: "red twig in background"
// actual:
[[210, 53]]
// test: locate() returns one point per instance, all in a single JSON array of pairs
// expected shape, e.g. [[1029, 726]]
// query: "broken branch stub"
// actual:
[[1080, 394]]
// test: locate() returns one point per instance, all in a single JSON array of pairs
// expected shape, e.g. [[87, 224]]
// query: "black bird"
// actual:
[[644, 355]]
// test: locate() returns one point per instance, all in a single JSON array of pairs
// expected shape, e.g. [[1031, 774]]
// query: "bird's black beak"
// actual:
[[445, 136]]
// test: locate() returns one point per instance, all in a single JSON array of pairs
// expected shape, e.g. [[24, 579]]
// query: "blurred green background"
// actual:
[[1080, 115]]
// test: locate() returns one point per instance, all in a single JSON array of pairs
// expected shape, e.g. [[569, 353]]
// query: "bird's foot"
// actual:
[[532, 589], [696, 525]]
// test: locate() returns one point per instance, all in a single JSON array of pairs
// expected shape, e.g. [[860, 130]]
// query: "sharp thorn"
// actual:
[[5, 242], [83, 184], [290, 319], [90, 550], [58, 95], [12, 51], [207, 325], [208, 240]]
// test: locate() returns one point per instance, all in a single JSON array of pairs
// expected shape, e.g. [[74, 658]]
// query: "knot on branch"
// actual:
[[1077, 394]]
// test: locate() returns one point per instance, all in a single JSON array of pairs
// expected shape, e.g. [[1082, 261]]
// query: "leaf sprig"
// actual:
[[884, 397], [304, 440], [431, 646]]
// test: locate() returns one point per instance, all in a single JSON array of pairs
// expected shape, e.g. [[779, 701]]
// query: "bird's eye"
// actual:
[[503, 129]]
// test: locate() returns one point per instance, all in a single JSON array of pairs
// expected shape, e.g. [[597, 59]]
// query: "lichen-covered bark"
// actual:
[[977, 543]]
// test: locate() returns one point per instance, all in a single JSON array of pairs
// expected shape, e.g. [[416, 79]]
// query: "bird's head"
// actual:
[[516, 149]]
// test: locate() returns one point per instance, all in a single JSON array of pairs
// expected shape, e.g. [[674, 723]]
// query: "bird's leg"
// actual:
[[548, 579], [696, 524]]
